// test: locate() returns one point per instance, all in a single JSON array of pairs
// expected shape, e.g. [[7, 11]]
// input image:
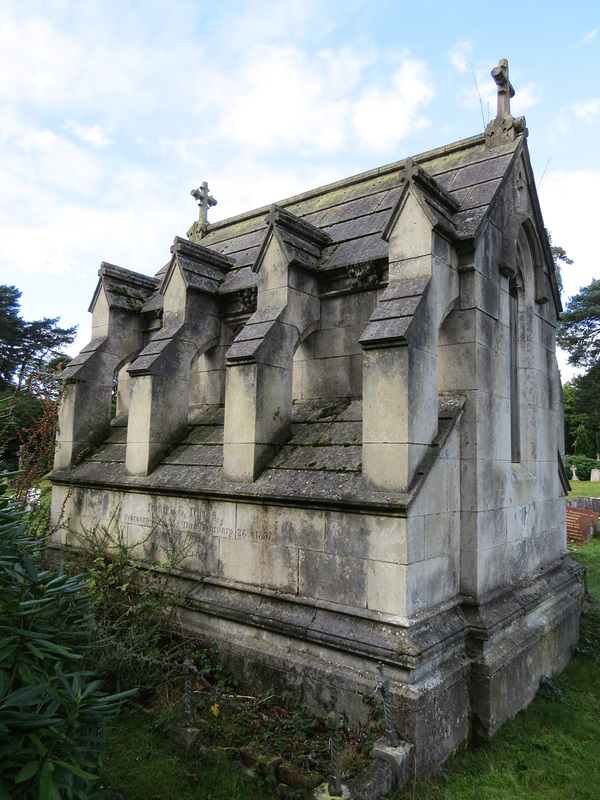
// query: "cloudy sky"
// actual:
[[111, 111]]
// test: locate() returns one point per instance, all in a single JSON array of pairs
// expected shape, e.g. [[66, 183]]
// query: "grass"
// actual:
[[258, 730], [584, 489], [143, 764], [551, 750]]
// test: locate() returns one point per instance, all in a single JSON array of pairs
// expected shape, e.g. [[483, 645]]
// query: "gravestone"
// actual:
[[581, 524], [574, 475], [345, 408], [595, 475]]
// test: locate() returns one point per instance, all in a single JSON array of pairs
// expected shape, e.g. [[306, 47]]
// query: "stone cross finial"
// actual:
[[505, 89], [204, 200]]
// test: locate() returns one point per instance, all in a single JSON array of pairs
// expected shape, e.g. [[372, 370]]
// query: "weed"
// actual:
[[135, 601]]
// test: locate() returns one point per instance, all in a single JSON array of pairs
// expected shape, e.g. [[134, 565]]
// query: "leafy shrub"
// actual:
[[51, 710], [583, 465]]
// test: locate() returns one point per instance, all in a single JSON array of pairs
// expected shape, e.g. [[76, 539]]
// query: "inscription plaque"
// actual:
[[578, 524], [187, 517]]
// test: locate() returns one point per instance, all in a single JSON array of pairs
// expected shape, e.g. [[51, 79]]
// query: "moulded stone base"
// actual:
[[506, 669], [432, 713], [446, 683], [466, 669]]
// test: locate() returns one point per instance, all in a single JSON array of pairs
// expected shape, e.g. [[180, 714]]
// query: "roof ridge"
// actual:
[[428, 155]]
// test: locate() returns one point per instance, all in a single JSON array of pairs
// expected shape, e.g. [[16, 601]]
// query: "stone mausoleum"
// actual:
[[346, 409]]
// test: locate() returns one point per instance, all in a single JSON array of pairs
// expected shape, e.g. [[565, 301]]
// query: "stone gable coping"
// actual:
[[202, 269], [394, 314], [436, 202], [301, 241], [124, 289]]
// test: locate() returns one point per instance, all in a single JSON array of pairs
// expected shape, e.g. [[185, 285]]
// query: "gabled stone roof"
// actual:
[[302, 242], [354, 212]]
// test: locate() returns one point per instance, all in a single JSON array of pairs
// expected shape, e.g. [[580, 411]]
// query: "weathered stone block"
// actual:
[[386, 588], [337, 578], [259, 564], [300, 528]]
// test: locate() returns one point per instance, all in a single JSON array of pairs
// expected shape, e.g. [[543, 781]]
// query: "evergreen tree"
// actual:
[[26, 346], [578, 330], [30, 359], [559, 254], [587, 397], [583, 444]]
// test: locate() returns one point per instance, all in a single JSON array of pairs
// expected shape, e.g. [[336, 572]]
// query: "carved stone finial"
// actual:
[[505, 88], [205, 201], [504, 127]]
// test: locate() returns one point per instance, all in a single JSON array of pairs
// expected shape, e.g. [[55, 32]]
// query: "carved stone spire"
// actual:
[[504, 127]]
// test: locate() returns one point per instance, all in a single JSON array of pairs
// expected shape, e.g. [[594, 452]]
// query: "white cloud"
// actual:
[[95, 59], [264, 184], [42, 141], [92, 134], [383, 116], [460, 56], [568, 201], [589, 37], [37, 62], [271, 21], [60, 164], [277, 98], [569, 208], [567, 371], [588, 109], [526, 97], [283, 97]]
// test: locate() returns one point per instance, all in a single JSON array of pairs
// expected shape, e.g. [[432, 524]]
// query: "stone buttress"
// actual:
[[117, 336], [160, 375]]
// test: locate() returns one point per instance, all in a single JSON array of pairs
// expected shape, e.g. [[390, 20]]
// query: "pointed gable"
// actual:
[[122, 288], [301, 242], [200, 269], [438, 205]]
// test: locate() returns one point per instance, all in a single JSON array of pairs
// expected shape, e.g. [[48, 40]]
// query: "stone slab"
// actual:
[[201, 455], [320, 457], [400, 758]]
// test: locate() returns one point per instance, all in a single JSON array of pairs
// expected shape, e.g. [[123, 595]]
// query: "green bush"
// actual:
[[51, 709], [583, 465]]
